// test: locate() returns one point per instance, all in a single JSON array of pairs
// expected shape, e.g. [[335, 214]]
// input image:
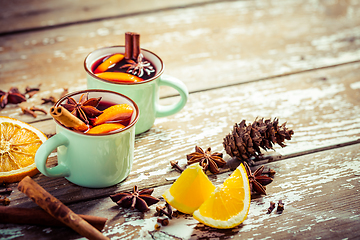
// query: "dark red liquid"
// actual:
[[104, 105], [117, 67]]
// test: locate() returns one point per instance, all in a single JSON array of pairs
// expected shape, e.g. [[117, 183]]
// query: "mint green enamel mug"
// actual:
[[93, 161], [145, 93]]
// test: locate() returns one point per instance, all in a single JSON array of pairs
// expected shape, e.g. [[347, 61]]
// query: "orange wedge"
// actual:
[[229, 204], [114, 113], [118, 77], [108, 62], [105, 128], [190, 190], [19, 142]]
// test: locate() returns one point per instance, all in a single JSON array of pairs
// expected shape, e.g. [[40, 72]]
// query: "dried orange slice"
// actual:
[[114, 113], [105, 128], [108, 62], [19, 142], [229, 204], [190, 190]]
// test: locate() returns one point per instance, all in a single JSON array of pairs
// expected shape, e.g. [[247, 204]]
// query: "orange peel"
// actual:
[[190, 190], [118, 77], [105, 128], [114, 113], [228, 206], [108, 62]]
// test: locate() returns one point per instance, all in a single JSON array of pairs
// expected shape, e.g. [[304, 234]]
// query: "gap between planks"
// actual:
[[277, 157], [98, 19], [266, 78], [232, 163], [271, 158], [239, 83]]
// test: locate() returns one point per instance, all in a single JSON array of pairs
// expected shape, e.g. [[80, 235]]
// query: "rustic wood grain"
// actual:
[[295, 60], [320, 192], [321, 196], [321, 112], [21, 15], [220, 43]]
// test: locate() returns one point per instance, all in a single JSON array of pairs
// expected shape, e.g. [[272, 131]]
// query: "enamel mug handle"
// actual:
[[44, 151], [166, 110]]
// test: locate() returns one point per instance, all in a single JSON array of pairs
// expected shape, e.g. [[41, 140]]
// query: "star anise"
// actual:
[[84, 109], [140, 200], [138, 67], [256, 180], [207, 160], [12, 96]]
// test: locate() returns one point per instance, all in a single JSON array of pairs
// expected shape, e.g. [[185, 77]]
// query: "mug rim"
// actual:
[[130, 125], [158, 74]]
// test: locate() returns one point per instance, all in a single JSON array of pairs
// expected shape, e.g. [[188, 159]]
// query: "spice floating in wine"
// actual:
[[124, 70], [130, 66], [84, 109], [111, 116]]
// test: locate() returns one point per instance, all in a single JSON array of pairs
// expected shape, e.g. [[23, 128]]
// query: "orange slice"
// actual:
[[108, 62], [114, 113], [190, 190], [118, 77], [105, 128], [229, 204], [19, 142]]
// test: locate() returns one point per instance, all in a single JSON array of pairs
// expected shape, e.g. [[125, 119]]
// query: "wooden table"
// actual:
[[296, 60]]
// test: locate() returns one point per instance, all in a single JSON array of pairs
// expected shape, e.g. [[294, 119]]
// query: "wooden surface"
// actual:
[[295, 60]]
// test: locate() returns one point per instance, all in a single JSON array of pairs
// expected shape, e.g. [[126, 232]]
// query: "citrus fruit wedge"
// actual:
[[114, 113], [105, 128], [108, 62], [118, 77], [19, 142], [190, 190], [229, 204]]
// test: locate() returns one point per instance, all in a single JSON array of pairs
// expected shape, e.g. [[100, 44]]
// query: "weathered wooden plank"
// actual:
[[207, 46], [320, 192], [20, 15], [321, 112]]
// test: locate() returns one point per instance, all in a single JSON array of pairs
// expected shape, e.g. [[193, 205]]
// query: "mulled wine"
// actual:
[[141, 67], [100, 64], [98, 154], [92, 116], [103, 105]]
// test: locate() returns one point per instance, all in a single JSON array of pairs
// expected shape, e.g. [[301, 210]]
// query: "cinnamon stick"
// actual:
[[136, 45], [132, 45], [128, 45], [40, 217], [57, 209], [67, 119]]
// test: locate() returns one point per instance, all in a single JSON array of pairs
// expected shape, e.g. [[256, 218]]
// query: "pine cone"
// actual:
[[245, 141]]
